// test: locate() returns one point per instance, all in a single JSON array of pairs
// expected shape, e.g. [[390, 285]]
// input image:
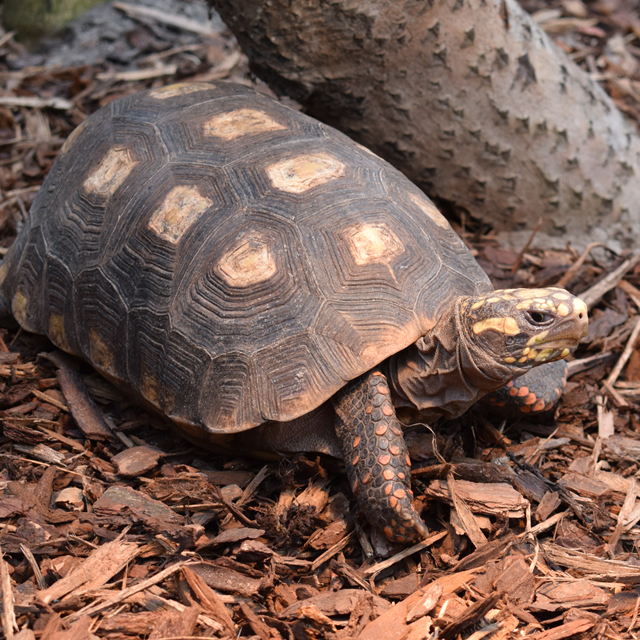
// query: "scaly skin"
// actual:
[[536, 392], [376, 457]]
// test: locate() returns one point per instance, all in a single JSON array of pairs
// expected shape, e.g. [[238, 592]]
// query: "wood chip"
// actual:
[[83, 409], [101, 565]]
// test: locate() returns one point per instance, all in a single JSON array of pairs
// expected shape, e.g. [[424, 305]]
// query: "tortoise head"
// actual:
[[524, 327]]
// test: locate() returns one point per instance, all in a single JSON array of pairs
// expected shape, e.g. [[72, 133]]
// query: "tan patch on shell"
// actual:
[[57, 332], [373, 243], [173, 90], [297, 175], [111, 172], [180, 209], [242, 122], [101, 353], [72, 137], [430, 209], [150, 387], [508, 326], [249, 262], [19, 308]]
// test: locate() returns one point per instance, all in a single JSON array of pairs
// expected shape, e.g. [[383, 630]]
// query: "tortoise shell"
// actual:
[[228, 259]]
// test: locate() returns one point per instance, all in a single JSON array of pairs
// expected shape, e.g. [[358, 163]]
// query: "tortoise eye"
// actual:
[[539, 318]]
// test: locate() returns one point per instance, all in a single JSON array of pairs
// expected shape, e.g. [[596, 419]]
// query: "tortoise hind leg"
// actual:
[[376, 457]]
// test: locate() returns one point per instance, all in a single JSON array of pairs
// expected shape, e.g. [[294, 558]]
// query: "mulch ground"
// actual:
[[112, 526]]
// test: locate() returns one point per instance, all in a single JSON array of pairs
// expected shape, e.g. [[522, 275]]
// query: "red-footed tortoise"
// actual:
[[239, 266]]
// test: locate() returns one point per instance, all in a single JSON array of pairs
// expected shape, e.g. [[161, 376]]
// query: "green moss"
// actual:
[[32, 19]]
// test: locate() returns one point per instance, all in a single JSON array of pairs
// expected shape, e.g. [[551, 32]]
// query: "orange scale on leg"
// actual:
[[394, 450], [381, 429], [531, 398], [538, 406], [388, 488], [400, 493], [523, 391], [387, 410], [388, 474], [393, 501], [385, 458]]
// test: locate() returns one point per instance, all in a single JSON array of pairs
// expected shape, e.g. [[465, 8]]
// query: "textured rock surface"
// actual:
[[469, 98]]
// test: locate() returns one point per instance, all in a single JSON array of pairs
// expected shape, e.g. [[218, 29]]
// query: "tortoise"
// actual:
[[267, 283]]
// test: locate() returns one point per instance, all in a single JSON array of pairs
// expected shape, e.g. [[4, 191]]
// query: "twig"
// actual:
[[36, 103], [139, 11], [235, 511], [389, 562], [126, 593], [593, 295], [140, 74], [516, 264], [626, 354], [9, 623], [329, 553], [572, 271]]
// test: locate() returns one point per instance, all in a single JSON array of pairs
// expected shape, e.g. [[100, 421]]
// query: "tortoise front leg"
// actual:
[[376, 457]]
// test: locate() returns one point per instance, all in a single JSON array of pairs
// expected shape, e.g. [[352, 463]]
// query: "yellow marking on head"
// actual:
[[565, 353], [563, 309], [101, 353], [180, 209], [19, 308], [523, 305], [560, 296], [305, 172], [242, 122], [538, 338], [248, 262], [525, 294], [521, 360], [57, 332], [373, 243], [525, 351], [579, 307], [532, 354], [111, 172], [494, 299], [180, 89], [508, 326], [425, 205], [510, 360], [544, 354], [477, 305]]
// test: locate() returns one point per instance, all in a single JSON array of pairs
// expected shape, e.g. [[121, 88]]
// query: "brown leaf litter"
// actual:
[[113, 527]]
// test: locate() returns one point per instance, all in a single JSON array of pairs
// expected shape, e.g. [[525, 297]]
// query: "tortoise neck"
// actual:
[[442, 374]]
